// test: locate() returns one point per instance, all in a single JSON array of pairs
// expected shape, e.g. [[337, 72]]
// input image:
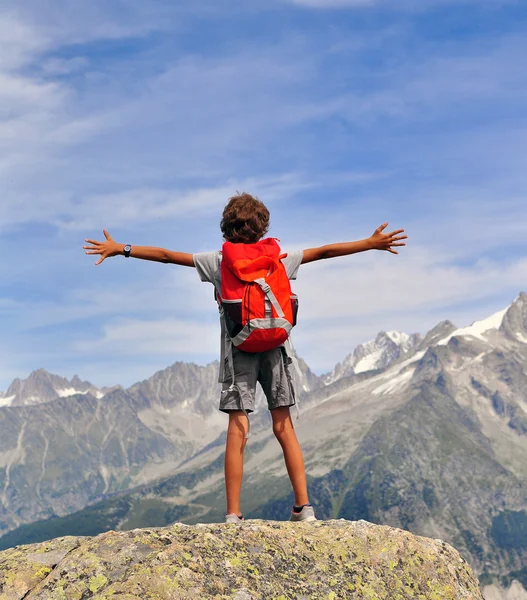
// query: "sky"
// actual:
[[145, 117]]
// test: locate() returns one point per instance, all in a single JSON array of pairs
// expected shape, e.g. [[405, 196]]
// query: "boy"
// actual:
[[246, 220]]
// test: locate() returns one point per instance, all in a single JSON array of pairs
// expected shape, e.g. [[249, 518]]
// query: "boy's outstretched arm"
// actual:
[[378, 241], [112, 248]]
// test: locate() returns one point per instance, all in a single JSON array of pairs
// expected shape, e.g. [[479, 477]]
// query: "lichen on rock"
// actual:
[[265, 560]]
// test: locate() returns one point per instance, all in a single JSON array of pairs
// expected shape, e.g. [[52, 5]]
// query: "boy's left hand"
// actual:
[[105, 249], [386, 241]]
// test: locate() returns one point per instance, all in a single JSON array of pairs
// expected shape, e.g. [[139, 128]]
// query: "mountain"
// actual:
[[514, 322], [437, 333], [41, 387], [433, 442], [60, 455], [376, 354], [183, 400], [66, 451]]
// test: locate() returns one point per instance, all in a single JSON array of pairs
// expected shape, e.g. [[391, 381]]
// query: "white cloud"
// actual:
[[63, 22], [169, 337], [55, 139], [208, 114], [432, 86], [143, 205], [38, 116], [362, 285], [169, 289], [19, 42]]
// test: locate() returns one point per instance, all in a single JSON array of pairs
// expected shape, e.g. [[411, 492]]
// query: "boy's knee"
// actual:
[[282, 430], [238, 424]]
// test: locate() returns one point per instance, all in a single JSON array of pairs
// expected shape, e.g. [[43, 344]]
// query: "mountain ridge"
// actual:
[[455, 390]]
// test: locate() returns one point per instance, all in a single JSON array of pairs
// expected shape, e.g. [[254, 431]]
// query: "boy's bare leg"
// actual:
[[236, 440], [294, 460]]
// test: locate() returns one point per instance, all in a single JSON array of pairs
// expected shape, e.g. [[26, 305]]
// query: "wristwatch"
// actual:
[[126, 250]]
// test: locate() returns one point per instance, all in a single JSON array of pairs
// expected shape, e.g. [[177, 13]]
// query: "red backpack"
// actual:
[[256, 298]]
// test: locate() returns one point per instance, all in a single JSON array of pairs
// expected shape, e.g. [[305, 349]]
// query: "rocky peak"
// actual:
[[386, 348], [183, 385], [257, 560], [514, 324], [41, 387], [437, 333], [80, 385], [38, 388]]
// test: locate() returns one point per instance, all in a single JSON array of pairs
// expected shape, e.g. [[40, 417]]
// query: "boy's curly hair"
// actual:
[[245, 219]]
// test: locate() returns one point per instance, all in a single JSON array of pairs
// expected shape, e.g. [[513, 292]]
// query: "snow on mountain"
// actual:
[[478, 328], [41, 387], [6, 400], [511, 321], [393, 383], [387, 347], [66, 392]]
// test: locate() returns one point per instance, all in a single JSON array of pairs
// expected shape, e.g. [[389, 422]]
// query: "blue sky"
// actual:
[[144, 117]]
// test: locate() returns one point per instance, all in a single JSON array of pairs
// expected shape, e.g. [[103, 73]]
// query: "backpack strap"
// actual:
[[266, 288], [234, 387], [291, 354]]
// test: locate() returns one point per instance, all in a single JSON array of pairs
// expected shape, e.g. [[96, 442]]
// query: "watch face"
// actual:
[[127, 248]]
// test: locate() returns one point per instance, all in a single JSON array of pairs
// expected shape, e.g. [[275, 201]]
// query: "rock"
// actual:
[[50, 559], [257, 560]]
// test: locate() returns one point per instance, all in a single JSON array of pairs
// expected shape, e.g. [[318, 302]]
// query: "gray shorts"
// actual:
[[270, 368]]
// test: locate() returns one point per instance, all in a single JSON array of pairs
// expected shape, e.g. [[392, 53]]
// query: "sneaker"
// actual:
[[306, 514], [233, 518]]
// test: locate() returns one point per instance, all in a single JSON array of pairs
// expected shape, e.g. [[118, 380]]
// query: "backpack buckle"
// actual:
[[264, 285]]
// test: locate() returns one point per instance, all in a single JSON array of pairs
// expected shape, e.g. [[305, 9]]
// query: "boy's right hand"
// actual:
[[105, 249]]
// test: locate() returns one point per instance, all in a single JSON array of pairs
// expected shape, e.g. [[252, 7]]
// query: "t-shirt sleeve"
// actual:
[[207, 265], [292, 262]]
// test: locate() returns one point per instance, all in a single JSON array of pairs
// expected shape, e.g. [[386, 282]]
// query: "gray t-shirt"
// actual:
[[208, 267]]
